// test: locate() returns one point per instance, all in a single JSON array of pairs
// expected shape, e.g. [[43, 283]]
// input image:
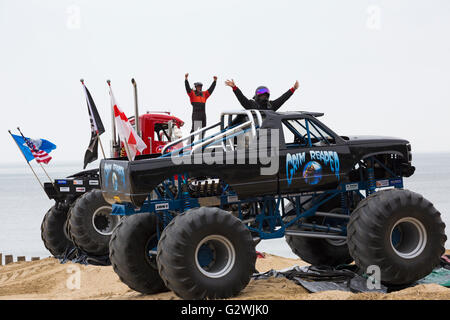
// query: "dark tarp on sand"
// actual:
[[347, 278]]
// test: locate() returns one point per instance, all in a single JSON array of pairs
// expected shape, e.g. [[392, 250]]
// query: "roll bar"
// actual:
[[225, 132], [189, 136]]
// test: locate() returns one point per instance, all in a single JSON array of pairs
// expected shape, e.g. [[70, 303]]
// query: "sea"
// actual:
[[24, 203]]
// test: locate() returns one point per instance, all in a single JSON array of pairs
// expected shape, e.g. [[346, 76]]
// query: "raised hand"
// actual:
[[215, 78], [230, 83], [296, 85], [186, 76]]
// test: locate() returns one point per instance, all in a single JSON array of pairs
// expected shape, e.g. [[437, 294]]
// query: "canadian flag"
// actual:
[[133, 143]]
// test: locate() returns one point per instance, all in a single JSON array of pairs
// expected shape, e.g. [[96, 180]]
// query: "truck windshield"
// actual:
[[305, 133], [161, 132]]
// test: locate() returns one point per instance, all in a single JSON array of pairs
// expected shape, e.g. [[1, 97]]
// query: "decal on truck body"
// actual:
[[161, 206], [312, 171], [93, 182]]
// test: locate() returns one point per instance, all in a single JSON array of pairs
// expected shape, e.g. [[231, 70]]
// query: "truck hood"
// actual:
[[373, 139]]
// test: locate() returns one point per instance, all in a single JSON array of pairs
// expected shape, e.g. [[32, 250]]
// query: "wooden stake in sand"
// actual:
[[1, 259], [8, 259]]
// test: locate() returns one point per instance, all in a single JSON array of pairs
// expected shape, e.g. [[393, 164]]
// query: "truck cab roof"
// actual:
[[297, 113]]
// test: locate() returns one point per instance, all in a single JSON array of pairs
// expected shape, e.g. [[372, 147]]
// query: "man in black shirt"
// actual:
[[261, 99]]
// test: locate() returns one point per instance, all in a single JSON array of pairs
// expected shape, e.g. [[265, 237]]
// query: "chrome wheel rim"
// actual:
[[221, 252], [408, 238], [103, 221]]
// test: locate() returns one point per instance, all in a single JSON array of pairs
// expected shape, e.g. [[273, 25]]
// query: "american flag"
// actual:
[[39, 155]]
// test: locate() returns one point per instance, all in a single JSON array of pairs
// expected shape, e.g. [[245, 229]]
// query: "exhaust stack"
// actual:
[[136, 110]]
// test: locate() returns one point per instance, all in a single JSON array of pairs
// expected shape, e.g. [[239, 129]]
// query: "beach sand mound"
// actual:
[[48, 279]]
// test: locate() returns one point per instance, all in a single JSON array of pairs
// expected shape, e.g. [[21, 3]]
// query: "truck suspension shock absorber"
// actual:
[[185, 195], [370, 177], [202, 189], [207, 188], [212, 188], [344, 206]]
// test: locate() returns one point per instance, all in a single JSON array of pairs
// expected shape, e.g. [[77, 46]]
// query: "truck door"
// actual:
[[312, 157]]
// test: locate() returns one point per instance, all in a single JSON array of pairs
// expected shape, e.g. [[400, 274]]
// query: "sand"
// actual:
[[48, 279]]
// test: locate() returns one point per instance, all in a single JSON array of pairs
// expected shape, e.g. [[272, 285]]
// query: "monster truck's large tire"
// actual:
[[91, 223], [321, 251], [206, 253], [129, 252], [400, 232], [52, 231]]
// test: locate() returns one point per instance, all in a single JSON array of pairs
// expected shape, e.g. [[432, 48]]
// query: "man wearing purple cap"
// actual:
[[261, 99]]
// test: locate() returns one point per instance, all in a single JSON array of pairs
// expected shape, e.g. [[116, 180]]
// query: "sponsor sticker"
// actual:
[[93, 182], [80, 189], [77, 182], [61, 181], [395, 182], [351, 187], [382, 183], [162, 206], [312, 192], [64, 189], [232, 198]]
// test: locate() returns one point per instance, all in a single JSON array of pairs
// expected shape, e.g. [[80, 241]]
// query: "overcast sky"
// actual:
[[374, 67]]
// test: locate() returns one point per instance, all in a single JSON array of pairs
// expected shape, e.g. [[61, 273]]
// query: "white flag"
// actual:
[[127, 135]]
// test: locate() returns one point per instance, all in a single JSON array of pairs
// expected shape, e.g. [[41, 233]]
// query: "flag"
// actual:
[[38, 149], [96, 129], [126, 132]]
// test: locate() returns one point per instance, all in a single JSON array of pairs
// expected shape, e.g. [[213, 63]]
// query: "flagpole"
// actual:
[[113, 127], [51, 180], [95, 122], [128, 150], [101, 146], [27, 161]]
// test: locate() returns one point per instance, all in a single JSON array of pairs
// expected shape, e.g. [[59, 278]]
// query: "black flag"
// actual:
[[96, 129]]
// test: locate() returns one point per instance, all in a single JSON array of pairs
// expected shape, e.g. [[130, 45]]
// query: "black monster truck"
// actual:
[[80, 218], [195, 215], [80, 223]]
